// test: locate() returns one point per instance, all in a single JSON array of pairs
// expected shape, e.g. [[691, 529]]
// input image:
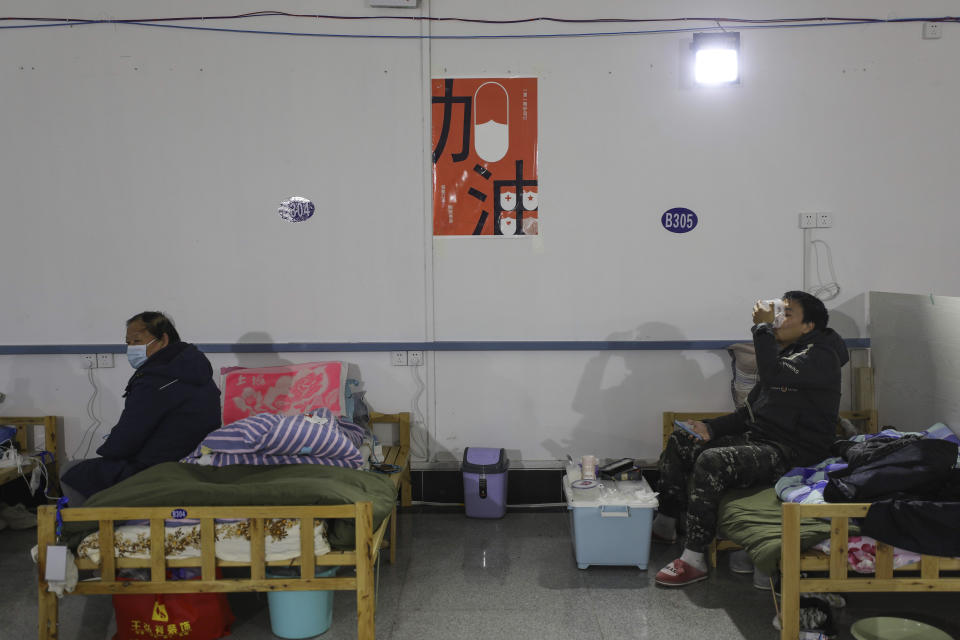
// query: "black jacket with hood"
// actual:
[[171, 404], [796, 401]]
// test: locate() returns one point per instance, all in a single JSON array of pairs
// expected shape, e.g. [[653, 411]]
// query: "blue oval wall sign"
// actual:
[[296, 209], [679, 220]]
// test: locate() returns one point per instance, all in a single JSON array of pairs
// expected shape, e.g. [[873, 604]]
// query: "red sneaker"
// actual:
[[679, 574]]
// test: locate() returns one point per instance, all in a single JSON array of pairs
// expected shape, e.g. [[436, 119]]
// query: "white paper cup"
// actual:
[[588, 467]]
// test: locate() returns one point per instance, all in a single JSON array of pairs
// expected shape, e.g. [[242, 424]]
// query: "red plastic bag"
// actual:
[[196, 616]]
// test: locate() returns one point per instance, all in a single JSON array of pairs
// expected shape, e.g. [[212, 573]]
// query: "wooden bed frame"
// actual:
[[23, 426], [793, 562], [840, 578], [368, 544]]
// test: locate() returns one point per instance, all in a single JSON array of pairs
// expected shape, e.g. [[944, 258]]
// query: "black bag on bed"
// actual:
[[916, 525], [919, 469]]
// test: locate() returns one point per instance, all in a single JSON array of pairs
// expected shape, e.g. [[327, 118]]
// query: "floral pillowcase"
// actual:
[[284, 390]]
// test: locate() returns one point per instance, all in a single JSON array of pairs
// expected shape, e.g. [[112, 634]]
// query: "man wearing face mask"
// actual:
[[171, 404]]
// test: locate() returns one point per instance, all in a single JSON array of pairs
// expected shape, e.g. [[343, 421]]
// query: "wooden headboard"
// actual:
[[865, 420], [24, 427]]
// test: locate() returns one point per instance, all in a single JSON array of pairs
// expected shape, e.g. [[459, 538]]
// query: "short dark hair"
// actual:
[[813, 309], [156, 324]]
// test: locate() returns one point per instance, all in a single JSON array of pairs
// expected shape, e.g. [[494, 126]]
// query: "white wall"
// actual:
[[142, 168], [915, 355]]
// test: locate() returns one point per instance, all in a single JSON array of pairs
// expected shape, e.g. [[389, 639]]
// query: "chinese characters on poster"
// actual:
[[485, 157]]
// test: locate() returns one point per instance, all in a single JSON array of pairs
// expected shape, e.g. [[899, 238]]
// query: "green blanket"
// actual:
[[752, 519], [186, 485]]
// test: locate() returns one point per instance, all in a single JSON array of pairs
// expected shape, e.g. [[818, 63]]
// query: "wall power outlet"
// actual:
[[816, 220]]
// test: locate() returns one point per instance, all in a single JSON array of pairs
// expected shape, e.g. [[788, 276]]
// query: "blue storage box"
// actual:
[[300, 614], [612, 527]]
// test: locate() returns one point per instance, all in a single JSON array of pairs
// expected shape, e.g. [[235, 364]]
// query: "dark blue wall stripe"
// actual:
[[354, 347]]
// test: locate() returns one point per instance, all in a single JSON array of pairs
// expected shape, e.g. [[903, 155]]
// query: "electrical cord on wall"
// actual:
[[95, 422], [417, 435], [829, 290]]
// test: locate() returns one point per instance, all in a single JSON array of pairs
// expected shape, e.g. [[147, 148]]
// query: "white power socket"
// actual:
[[816, 220], [88, 361], [406, 358], [931, 30], [104, 360]]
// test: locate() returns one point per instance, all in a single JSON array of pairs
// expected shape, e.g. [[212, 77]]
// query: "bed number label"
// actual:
[[178, 514], [56, 570]]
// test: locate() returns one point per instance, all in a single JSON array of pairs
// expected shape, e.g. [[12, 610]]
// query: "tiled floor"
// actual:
[[490, 579]]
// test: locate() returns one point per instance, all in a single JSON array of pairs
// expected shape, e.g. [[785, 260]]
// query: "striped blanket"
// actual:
[[268, 439]]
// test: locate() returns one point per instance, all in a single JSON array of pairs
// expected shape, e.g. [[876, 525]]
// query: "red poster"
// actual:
[[485, 157]]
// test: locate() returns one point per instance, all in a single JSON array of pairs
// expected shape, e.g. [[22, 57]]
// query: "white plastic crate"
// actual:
[[614, 528]]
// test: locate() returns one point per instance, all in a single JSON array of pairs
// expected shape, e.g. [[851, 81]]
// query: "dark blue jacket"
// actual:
[[796, 401], [171, 404]]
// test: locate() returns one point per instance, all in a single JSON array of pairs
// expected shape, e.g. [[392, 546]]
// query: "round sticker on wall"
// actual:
[[296, 209], [679, 220]]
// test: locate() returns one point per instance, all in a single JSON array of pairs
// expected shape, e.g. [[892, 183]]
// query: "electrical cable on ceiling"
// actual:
[[416, 18], [741, 23]]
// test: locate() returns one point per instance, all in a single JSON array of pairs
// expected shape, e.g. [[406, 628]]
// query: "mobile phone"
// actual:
[[688, 429]]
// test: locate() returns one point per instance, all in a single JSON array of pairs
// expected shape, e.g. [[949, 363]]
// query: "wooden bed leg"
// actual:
[[365, 554], [47, 604], [790, 573], [49, 610], [393, 536], [406, 492]]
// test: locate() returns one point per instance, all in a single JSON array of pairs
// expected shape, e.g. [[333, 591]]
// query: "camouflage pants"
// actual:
[[694, 475]]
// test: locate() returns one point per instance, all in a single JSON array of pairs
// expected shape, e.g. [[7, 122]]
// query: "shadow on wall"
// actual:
[[614, 410], [259, 359], [849, 319], [18, 401]]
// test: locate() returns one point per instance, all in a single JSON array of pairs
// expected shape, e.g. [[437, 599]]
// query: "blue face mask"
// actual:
[[137, 353]]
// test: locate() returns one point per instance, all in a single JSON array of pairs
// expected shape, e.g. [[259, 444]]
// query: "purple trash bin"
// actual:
[[485, 482]]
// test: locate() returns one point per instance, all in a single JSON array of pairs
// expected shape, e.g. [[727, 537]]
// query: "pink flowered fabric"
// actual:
[[862, 554], [285, 390]]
